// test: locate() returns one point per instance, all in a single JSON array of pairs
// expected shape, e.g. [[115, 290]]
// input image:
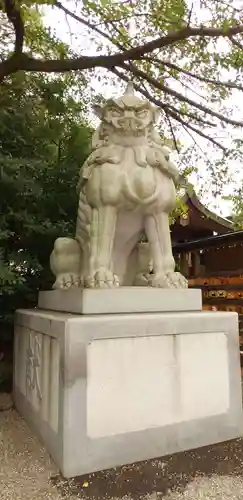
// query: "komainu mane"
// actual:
[[126, 187]]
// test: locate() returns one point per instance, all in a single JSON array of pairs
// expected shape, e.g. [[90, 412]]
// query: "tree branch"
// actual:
[[136, 53], [23, 62], [100, 32], [12, 9], [122, 58]]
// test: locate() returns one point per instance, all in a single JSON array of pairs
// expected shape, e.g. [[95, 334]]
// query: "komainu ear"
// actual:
[[98, 110], [156, 113]]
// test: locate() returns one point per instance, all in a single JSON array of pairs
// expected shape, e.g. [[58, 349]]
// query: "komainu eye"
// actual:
[[115, 112], [142, 114]]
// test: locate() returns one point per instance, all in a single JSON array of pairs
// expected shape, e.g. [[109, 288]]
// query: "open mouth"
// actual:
[[131, 132], [130, 125]]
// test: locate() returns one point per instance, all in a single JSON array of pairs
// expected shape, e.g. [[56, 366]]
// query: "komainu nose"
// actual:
[[129, 114], [125, 122]]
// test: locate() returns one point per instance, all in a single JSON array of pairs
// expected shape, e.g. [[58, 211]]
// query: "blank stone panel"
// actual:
[[131, 385], [203, 374]]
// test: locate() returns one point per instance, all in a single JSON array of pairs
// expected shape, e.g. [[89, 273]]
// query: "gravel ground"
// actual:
[[27, 473], [25, 467]]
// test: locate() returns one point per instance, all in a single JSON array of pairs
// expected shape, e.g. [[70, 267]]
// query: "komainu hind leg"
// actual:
[[158, 233], [144, 269], [102, 234], [65, 263]]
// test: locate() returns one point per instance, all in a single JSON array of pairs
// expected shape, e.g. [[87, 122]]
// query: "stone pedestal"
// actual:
[[103, 390], [125, 299]]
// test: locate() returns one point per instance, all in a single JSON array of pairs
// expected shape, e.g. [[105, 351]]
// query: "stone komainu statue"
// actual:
[[126, 187]]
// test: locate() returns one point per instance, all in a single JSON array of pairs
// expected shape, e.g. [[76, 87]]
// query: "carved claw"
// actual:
[[158, 280], [176, 280], [103, 278], [67, 281], [169, 280]]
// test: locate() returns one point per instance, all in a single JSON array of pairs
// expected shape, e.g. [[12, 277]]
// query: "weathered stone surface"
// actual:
[[126, 188]]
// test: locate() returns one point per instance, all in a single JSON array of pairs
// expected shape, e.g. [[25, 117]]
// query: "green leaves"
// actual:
[[201, 69], [171, 13], [44, 140]]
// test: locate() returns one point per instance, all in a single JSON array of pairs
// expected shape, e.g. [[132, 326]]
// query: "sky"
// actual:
[[76, 35]]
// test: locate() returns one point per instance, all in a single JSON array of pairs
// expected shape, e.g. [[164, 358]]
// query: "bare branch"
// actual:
[[235, 42], [69, 28], [199, 132], [192, 116], [193, 138], [84, 22], [123, 18], [230, 85], [172, 132], [187, 87], [180, 97], [190, 15], [167, 109], [229, 5]]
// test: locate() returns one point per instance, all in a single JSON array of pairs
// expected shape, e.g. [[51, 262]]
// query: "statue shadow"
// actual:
[[157, 477]]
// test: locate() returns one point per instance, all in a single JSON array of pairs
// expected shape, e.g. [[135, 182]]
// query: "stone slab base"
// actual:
[[121, 300], [106, 390]]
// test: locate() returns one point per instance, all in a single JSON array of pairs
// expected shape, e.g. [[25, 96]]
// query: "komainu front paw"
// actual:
[[168, 280], [66, 281], [102, 278], [158, 280], [176, 280]]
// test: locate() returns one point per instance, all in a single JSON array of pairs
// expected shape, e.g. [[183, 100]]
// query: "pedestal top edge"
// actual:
[[124, 289], [56, 315]]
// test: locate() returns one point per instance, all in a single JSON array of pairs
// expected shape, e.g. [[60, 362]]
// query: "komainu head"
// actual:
[[128, 114]]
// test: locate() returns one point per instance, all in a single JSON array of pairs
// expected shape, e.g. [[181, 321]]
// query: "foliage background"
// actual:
[[44, 139]]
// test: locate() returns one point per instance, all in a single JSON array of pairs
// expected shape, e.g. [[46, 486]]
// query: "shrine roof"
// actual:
[[200, 217], [193, 198], [226, 239]]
